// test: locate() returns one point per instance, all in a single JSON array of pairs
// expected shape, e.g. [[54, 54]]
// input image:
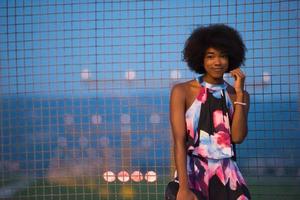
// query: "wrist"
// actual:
[[239, 92], [240, 96], [183, 189], [183, 186]]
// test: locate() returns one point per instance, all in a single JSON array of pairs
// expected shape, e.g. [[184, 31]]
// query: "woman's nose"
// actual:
[[217, 60]]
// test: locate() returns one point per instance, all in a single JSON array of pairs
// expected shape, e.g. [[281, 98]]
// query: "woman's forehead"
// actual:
[[212, 50]]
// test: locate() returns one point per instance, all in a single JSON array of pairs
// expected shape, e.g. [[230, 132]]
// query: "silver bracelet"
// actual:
[[240, 103]]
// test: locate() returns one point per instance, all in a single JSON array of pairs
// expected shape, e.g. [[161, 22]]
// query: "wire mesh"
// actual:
[[85, 95]]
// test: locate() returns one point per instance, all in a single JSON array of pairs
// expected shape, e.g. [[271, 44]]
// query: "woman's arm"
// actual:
[[177, 119], [239, 128]]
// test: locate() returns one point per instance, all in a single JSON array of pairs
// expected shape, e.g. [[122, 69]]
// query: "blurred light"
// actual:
[[68, 119], [136, 176], [12, 166], [85, 75], [266, 77], [104, 141], [83, 141], [123, 176], [154, 118], [96, 119], [62, 142], [150, 176], [127, 192], [109, 176], [125, 128], [175, 74], [130, 75], [125, 118], [104, 191]]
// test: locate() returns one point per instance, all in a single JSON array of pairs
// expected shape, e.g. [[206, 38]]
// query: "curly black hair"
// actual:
[[219, 36]]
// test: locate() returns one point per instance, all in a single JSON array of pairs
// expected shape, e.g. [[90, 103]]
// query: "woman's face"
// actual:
[[215, 63]]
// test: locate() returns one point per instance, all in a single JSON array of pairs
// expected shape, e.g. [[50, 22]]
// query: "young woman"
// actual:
[[208, 117]]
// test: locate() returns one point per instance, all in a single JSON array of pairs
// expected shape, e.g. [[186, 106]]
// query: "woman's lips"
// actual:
[[219, 69]]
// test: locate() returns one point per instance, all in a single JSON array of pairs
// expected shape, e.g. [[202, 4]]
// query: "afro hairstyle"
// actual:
[[218, 36]]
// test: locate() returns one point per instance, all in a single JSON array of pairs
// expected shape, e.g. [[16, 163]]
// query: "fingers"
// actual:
[[239, 77], [237, 73]]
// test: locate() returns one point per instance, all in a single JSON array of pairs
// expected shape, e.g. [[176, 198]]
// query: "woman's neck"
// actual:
[[212, 80]]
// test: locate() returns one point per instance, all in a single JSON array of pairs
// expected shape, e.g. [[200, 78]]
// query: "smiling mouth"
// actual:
[[217, 69]]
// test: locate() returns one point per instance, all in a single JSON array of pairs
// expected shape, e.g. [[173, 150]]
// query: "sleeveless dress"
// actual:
[[212, 171]]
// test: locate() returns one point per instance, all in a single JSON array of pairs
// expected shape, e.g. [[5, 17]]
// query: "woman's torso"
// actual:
[[208, 114]]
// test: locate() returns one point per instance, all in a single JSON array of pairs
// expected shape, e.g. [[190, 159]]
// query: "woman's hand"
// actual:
[[239, 127], [185, 194], [239, 78]]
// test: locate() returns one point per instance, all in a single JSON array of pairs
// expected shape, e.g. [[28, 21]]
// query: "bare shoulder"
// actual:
[[184, 87], [178, 88]]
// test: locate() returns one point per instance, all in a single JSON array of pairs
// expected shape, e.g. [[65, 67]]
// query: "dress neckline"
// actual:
[[215, 87]]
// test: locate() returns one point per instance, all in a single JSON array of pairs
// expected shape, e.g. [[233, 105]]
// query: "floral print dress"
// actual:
[[212, 171]]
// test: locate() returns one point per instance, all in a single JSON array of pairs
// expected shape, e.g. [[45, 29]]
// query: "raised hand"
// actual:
[[239, 78]]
